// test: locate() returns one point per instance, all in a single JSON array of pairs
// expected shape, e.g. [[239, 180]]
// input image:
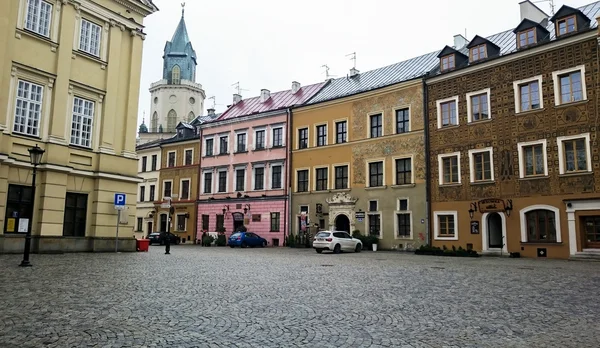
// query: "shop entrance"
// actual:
[[591, 230]]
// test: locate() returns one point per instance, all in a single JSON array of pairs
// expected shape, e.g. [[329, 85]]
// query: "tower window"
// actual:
[[176, 75]]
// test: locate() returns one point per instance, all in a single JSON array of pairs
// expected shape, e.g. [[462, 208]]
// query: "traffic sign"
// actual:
[[120, 199]]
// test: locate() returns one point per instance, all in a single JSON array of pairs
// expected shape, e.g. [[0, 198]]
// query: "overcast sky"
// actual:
[[270, 43]]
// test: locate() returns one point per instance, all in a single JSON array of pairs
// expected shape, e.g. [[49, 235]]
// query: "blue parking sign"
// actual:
[[119, 199]]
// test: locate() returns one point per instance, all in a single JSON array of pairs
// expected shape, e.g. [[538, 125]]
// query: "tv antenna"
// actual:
[[327, 76], [352, 57], [238, 89], [551, 5]]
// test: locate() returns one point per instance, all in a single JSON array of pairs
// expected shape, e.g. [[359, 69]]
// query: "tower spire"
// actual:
[[182, 9]]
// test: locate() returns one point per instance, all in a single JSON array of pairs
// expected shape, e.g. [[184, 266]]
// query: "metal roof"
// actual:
[[277, 101], [370, 80]]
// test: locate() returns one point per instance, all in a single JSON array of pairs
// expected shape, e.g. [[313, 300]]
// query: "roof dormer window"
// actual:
[[566, 25], [478, 53], [447, 63], [526, 38]]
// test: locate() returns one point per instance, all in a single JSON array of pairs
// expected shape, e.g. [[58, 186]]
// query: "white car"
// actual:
[[336, 241]]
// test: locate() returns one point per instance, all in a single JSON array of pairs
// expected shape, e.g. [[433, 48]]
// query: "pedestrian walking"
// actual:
[[167, 243]]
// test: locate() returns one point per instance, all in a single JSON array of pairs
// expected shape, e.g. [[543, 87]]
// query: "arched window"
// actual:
[[190, 116], [154, 123], [176, 75], [171, 121], [540, 223]]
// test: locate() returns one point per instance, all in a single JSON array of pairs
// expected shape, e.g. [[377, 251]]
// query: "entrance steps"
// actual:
[[587, 255]]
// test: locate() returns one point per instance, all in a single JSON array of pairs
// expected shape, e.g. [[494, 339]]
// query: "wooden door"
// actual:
[[591, 232]]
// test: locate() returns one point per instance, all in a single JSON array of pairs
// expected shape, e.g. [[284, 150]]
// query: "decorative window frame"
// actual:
[[565, 19], [407, 211], [254, 138], [517, 91], [162, 193], [189, 188], [297, 137], [368, 176], [167, 159], [270, 175], [314, 172], [235, 181], [184, 153], [223, 135], [253, 179], [334, 178], [520, 146], [94, 18], [523, 221], [487, 92], [436, 225], [375, 113], [439, 103], [19, 72], [216, 180], [212, 136], [412, 169], [296, 180], [316, 126], [139, 199], [561, 152], [237, 133], [212, 182], [177, 224], [335, 122], [55, 15], [556, 82], [80, 91], [441, 168], [472, 152], [368, 222], [272, 134], [395, 110]]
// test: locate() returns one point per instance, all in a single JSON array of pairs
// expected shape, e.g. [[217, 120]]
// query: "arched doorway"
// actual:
[[342, 223], [163, 223], [494, 231]]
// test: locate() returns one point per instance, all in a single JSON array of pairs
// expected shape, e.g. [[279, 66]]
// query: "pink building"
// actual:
[[244, 165]]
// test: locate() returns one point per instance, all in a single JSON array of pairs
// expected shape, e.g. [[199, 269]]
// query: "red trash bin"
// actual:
[[142, 244]]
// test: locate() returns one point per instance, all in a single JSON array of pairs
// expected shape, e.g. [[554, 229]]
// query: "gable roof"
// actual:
[[478, 40], [565, 11], [407, 70], [449, 50], [528, 24], [277, 101]]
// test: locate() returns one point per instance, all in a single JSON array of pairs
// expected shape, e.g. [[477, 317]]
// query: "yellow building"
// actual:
[[358, 156], [180, 163], [69, 82]]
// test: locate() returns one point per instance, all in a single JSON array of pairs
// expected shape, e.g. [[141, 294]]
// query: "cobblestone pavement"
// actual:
[[222, 297]]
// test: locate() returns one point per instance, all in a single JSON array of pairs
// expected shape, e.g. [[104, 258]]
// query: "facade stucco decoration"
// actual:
[[341, 204]]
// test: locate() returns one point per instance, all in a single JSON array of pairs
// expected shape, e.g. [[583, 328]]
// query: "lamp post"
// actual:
[[35, 154]]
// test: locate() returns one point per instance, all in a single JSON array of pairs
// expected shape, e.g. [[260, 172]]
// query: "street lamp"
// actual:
[[35, 154]]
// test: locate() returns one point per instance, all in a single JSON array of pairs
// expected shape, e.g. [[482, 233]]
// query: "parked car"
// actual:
[[336, 241], [246, 239], [159, 238]]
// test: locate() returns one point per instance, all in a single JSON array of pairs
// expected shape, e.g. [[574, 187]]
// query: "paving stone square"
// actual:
[[222, 297]]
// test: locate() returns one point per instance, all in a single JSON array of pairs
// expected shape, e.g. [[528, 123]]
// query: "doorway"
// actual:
[[149, 228], [591, 230], [238, 221], [494, 231], [342, 223], [163, 223]]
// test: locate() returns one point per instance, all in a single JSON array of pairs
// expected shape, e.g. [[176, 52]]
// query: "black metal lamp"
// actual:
[[246, 208], [509, 207], [472, 210], [35, 155]]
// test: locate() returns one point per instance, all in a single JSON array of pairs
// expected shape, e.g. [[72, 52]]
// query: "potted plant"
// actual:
[[373, 241]]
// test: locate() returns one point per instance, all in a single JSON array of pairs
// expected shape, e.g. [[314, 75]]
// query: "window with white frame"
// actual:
[[321, 176], [259, 139], [376, 125], [277, 137], [259, 178], [574, 154], [240, 179], [303, 138], [403, 219], [90, 38], [341, 177], [374, 219], [447, 112], [222, 184], [184, 193], [478, 106], [142, 193], [302, 180], [341, 132], [181, 222], [322, 135], [402, 121], [569, 85], [223, 144], [28, 110], [528, 94], [38, 17], [167, 188], [404, 171], [533, 159], [171, 156], [276, 176], [209, 146], [540, 224], [481, 164], [81, 125], [189, 157], [449, 168], [208, 182], [445, 225], [376, 176], [241, 142]]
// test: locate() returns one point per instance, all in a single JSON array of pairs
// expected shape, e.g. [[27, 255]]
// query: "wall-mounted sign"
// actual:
[[474, 227], [359, 215], [319, 208], [491, 205], [23, 225], [10, 225], [238, 216]]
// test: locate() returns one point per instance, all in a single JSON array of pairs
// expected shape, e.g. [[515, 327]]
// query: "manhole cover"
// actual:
[[326, 265]]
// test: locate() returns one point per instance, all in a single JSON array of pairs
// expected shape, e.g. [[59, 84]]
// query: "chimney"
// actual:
[[265, 94], [354, 72], [460, 42], [211, 111], [295, 87], [533, 13], [236, 98]]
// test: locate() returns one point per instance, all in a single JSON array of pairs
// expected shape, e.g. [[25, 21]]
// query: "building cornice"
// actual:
[[246, 118], [108, 15], [514, 56]]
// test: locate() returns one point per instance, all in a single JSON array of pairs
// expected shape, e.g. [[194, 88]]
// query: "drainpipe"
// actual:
[[427, 164], [199, 183], [288, 185]]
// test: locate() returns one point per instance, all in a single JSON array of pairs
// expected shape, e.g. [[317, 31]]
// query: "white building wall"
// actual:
[[186, 98]]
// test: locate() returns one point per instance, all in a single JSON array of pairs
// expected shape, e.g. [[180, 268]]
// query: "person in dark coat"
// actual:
[[167, 243]]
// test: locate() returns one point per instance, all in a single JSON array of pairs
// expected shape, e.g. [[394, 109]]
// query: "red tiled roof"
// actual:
[[278, 100]]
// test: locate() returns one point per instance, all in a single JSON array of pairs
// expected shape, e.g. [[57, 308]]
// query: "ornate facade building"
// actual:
[[69, 82], [514, 151], [176, 97]]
